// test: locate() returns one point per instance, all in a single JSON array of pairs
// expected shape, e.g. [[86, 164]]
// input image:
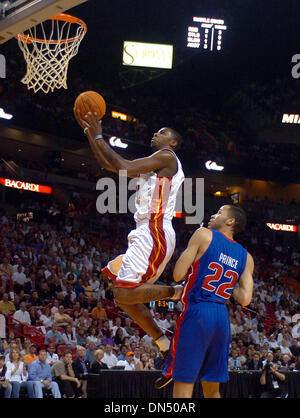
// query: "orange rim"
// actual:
[[63, 18]]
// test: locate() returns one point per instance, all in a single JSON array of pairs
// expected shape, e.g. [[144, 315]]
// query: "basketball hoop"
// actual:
[[48, 56]]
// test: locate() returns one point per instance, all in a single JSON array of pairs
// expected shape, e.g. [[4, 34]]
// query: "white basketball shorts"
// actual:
[[150, 247]]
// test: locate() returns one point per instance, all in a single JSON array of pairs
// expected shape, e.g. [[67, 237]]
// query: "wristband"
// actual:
[[99, 136]]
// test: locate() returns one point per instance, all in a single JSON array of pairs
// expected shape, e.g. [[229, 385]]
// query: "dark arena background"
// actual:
[[226, 75]]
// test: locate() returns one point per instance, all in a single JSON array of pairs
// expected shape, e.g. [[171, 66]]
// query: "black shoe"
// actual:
[[162, 381]]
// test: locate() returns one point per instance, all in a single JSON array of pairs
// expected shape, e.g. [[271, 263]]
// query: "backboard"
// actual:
[[19, 15]]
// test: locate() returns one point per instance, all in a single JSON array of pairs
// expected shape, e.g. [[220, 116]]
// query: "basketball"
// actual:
[[90, 101]]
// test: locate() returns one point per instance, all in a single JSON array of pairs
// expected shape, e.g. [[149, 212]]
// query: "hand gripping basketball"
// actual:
[[91, 125]]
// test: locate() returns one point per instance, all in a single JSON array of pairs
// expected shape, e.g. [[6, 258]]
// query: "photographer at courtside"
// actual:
[[273, 382]]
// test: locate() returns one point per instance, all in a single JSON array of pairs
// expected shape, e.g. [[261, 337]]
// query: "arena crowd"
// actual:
[[57, 308]]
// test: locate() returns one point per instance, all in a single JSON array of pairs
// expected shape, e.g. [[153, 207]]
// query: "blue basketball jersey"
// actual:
[[213, 277]]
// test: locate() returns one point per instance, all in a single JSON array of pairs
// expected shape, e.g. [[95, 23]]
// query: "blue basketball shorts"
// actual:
[[200, 346]]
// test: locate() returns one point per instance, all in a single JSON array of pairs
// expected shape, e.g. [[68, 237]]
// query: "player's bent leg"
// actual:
[[143, 294], [183, 390], [211, 389]]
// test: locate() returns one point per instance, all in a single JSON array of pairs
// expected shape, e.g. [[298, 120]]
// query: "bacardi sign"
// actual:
[[282, 227], [22, 185]]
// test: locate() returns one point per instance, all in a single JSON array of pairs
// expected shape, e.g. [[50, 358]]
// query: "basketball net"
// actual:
[[48, 51]]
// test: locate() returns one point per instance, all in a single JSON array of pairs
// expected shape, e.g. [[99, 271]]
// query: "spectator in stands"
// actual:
[[35, 300], [254, 335], [118, 324], [295, 347], [135, 337], [144, 363], [273, 344], [119, 337], [98, 364], [107, 337], [17, 375], [122, 353], [137, 355], [5, 386], [234, 363], [7, 347], [31, 356], [159, 361], [284, 334], [128, 328], [63, 374], [287, 363], [26, 347], [19, 279], [277, 356], [94, 336], [297, 367], [295, 329], [22, 315], [6, 271], [78, 288], [47, 318], [34, 317], [61, 318], [6, 306], [81, 369], [52, 356], [84, 319], [95, 285], [128, 363], [90, 352], [81, 337], [54, 335], [39, 372], [99, 312], [284, 348], [109, 357], [69, 336], [255, 363]]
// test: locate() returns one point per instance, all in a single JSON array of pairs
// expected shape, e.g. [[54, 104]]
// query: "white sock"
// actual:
[[163, 343]]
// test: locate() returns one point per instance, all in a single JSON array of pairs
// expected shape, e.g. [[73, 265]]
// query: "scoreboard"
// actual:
[[163, 305], [206, 33]]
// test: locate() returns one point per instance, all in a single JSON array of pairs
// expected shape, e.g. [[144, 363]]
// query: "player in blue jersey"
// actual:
[[216, 267]]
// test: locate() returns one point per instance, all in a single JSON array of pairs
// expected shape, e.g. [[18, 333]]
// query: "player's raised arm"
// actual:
[[243, 291], [114, 161], [198, 243], [93, 144]]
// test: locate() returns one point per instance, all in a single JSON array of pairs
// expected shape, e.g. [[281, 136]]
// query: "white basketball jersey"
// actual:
[[156, 195]]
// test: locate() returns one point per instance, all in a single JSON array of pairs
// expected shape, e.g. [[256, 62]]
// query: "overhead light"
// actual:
[[116, 142], [212, 165], [218, 193], [82, 164], [4, 115], [118, 115]]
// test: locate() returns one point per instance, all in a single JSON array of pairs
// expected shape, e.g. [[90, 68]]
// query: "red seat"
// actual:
[[61, 349]]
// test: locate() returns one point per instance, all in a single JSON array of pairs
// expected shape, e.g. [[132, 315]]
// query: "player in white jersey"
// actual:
[[152, 243]]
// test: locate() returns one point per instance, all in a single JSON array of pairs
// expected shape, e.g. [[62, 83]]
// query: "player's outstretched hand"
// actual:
[[91, 125]]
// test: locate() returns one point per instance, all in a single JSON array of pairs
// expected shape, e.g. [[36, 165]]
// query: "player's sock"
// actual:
[[163, 343], [177, 292]]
